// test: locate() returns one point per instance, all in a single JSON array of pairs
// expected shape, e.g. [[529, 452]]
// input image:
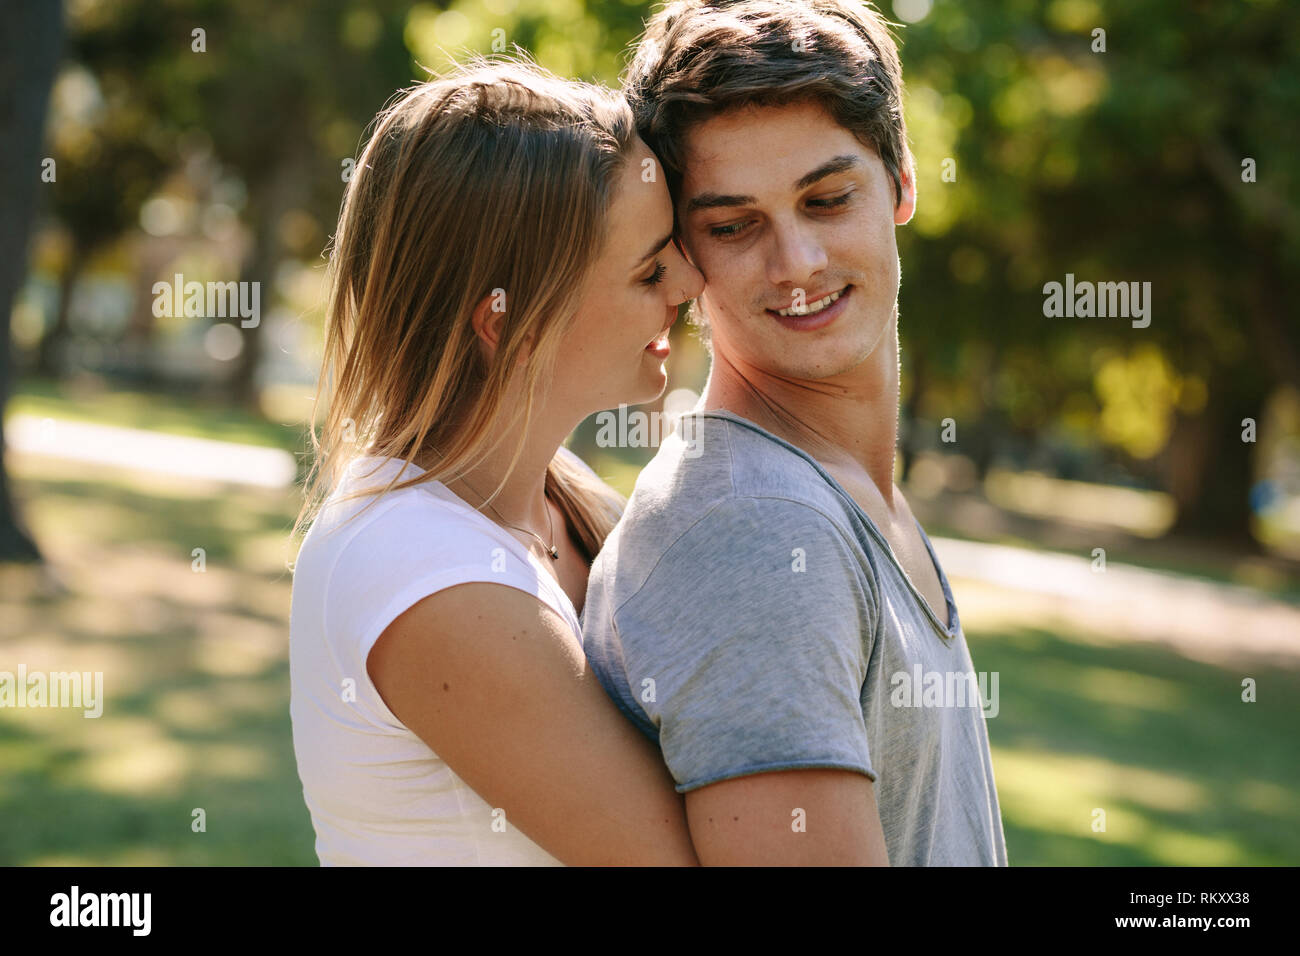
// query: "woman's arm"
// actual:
[[494, 682]]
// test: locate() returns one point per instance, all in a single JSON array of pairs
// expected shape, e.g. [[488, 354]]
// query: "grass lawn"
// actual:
[[98, 403], [196, 714], [1186, 773], [196, 678]]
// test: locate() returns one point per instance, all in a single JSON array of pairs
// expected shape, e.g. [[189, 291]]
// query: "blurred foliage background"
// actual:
[[1146, 141]]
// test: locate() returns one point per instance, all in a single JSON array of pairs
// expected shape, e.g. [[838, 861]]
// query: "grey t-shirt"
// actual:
[[749, 616]]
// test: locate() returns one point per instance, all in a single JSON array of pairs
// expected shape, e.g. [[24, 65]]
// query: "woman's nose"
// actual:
[[692, 283]]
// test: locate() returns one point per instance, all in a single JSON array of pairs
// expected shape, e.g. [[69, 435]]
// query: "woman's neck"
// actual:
[[521, 501]]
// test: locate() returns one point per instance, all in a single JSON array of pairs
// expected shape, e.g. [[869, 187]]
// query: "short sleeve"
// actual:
[[748, 643], [398, 558]]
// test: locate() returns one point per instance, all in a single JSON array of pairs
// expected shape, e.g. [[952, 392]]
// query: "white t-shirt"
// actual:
[[376, 792]]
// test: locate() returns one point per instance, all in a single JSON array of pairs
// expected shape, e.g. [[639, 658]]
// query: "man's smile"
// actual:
[[816, 314]]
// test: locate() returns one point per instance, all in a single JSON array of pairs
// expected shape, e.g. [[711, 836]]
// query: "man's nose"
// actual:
[[796, 255]]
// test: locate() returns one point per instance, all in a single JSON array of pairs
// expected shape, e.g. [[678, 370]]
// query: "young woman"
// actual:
[[502, 269]]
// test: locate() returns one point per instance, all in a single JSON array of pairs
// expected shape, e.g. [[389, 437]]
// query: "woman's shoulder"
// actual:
[[375, 556], [421, 525], [415, 539]]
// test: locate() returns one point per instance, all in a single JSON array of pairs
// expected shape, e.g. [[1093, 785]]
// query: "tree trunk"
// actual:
[[1213, 494], [992, 422], [259, 268], [281, 190], [29, 56], [1212, 478], [49, 355], [908, 446]]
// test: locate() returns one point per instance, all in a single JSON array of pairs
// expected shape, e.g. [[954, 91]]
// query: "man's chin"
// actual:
[[811, 363]]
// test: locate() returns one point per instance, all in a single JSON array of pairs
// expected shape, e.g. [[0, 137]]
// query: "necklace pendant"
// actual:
[[555, 554]]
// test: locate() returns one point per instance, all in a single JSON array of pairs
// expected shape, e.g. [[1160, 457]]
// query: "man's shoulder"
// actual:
[[714, 457], [719, 489]]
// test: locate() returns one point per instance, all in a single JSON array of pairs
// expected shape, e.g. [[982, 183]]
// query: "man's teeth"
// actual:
[[812, 307]]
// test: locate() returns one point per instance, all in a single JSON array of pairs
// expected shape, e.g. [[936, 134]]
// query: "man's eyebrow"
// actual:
[[829, 168], [658, 246], [717, 200]]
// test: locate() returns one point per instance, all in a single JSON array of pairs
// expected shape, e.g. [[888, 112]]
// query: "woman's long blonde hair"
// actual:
[[492, 180]]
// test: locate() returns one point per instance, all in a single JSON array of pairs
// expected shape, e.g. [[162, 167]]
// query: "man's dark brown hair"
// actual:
[[699, 58]]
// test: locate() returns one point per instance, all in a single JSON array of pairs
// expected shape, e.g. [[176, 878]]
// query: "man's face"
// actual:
[[781, 207]]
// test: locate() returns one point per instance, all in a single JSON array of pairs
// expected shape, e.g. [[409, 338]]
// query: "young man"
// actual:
[[768, 603]]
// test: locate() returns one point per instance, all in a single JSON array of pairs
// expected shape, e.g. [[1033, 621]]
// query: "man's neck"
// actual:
[[846, 422]]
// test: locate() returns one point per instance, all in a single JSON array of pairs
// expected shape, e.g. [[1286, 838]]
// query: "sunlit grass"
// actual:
[[89, 401], [196, 717], [1185, 772], [195, 679], [1145, 513]]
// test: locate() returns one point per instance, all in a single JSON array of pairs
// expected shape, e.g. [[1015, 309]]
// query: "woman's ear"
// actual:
[[487, 319]]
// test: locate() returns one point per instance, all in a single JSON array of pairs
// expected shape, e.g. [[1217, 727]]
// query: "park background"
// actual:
[[1119, 511]]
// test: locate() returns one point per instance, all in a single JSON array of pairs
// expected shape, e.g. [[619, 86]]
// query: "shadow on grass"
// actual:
[[196, 684], [1185, 771], [128, 516], [61, 811]]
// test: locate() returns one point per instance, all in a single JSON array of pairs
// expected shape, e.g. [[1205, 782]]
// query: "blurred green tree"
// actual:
[[1150, 141], [1119, 155]]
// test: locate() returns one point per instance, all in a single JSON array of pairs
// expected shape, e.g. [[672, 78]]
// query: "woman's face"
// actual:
[[615, 350]]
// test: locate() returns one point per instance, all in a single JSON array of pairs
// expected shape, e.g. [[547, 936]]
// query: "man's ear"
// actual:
[[487, 319], [907, 182]]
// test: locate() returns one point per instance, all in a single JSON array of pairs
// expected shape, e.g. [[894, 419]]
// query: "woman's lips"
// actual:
[[659, 346]]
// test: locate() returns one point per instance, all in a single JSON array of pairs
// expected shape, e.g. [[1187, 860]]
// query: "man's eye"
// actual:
[[728, 231], [827, 203]]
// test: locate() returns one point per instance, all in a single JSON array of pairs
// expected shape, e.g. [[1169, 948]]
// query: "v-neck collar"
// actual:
[[948, 631]]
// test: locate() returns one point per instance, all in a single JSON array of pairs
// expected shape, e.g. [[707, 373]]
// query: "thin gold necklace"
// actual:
[[550, 529]]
